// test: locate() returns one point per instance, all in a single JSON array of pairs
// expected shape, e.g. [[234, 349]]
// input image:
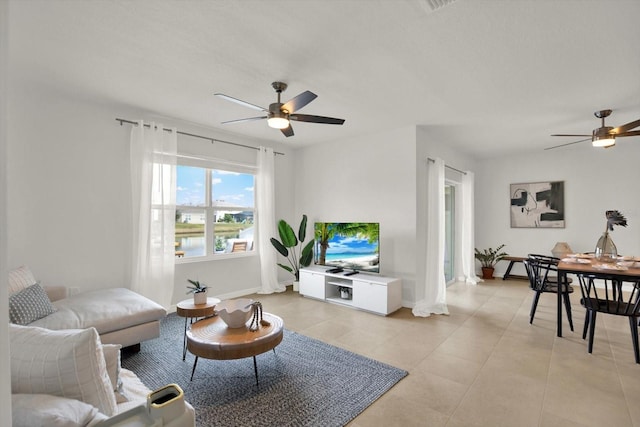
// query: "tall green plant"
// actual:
[[287, 246]]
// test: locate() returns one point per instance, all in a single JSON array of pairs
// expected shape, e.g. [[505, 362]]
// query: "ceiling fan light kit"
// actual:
[[603, 141], [279, 121], [279, 115], [604, 136]]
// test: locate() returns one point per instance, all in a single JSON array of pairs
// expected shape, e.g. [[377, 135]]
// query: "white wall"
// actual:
[[5, 368], [69, 193], [365, 179], [595, 180]]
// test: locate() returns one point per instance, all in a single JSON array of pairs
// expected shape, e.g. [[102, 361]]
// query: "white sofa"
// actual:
[[120, 315], [69, 378], [65, 355]]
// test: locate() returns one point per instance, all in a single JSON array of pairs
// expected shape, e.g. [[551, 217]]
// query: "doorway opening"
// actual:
[[450, 232]]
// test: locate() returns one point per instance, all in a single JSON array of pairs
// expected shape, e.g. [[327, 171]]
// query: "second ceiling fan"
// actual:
[[279, 115]]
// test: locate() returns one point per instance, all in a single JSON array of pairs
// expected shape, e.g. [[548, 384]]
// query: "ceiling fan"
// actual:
[[604, 136], [279, 115]]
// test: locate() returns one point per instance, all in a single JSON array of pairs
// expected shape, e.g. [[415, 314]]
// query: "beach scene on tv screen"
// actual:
[[352, 245]]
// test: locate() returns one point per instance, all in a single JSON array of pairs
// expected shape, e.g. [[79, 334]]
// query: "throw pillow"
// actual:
[[30, 304], [19, 279], [67, 363], [29, 410], [112, 359]]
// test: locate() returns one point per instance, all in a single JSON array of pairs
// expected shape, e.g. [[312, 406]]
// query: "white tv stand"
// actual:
[[377, 294]]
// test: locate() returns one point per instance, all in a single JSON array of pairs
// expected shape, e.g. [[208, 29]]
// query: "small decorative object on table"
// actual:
[[198, 290], [488, 259], [606, 250], [561, 249], [235, 312], [257, 320]]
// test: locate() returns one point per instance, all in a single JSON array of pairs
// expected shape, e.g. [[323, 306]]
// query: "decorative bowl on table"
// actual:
[[235, 312]]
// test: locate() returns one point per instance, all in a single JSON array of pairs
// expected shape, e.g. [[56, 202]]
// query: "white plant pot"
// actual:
[[200, 298], [296, 286]]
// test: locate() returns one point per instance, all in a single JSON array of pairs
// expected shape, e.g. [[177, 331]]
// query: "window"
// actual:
[[214, 209]]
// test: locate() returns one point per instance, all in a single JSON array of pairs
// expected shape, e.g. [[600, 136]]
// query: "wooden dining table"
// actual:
[[581, 264]]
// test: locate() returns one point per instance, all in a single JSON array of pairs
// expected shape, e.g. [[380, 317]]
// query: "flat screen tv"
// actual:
[[348, 245]]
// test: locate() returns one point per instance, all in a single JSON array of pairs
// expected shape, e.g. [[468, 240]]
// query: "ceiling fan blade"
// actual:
[[249, 119], [241, 102], [568, 143], [296, 103], [631, 133], [288, 131], [626, 127], [316, 119], [564, 134]]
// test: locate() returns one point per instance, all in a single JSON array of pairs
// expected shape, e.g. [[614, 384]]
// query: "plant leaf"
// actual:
[[286, 267], [307, 254], [280, 247], [615, 218], [287, 236], [302, 231]]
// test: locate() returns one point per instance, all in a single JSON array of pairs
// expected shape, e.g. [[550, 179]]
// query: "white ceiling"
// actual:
[[489, 76]]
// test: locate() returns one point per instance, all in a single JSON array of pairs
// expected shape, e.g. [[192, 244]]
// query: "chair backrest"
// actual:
[[607, 295], [538, 268], [239, 246]]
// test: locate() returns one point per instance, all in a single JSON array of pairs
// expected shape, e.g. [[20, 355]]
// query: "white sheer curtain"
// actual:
[[467, 230], [153, 183], [265, 219], [435, 301]]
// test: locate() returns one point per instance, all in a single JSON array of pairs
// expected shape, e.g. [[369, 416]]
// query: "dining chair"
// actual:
[[541, 281], [240, 246], [610, 297]]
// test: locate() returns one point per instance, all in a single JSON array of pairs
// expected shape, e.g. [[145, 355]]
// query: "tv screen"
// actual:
[[349, 245]]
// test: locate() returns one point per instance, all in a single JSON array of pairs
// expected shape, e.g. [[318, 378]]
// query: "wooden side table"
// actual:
[[189, 310], [211, 338]]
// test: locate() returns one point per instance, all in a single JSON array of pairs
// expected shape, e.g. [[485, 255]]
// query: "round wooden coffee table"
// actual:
[[211, 338], [189, 310]]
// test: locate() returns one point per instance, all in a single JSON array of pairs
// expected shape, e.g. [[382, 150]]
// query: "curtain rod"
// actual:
[[448, 167], [131, 122]]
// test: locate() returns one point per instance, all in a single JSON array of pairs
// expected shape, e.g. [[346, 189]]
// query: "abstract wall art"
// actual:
[[537, 205]]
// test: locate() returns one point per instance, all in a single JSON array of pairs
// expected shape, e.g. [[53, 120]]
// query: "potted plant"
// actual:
[[287, 246], [488, 259], [198, 290]]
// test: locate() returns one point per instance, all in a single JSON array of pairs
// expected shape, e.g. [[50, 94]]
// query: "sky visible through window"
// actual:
[[228, 188]]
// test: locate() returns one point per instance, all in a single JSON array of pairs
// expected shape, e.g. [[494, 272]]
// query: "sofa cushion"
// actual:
[[31, 410], [20, 278], [29, 304], [66, 363], [107, 310], [112, 360]]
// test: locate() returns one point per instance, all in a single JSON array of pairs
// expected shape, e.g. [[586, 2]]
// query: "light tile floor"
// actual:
[[483, 365]]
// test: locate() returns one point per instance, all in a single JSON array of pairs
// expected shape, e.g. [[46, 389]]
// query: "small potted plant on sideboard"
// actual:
[[488, 259]]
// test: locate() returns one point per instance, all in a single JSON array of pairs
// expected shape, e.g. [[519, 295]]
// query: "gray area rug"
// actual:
[[305, 383]]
